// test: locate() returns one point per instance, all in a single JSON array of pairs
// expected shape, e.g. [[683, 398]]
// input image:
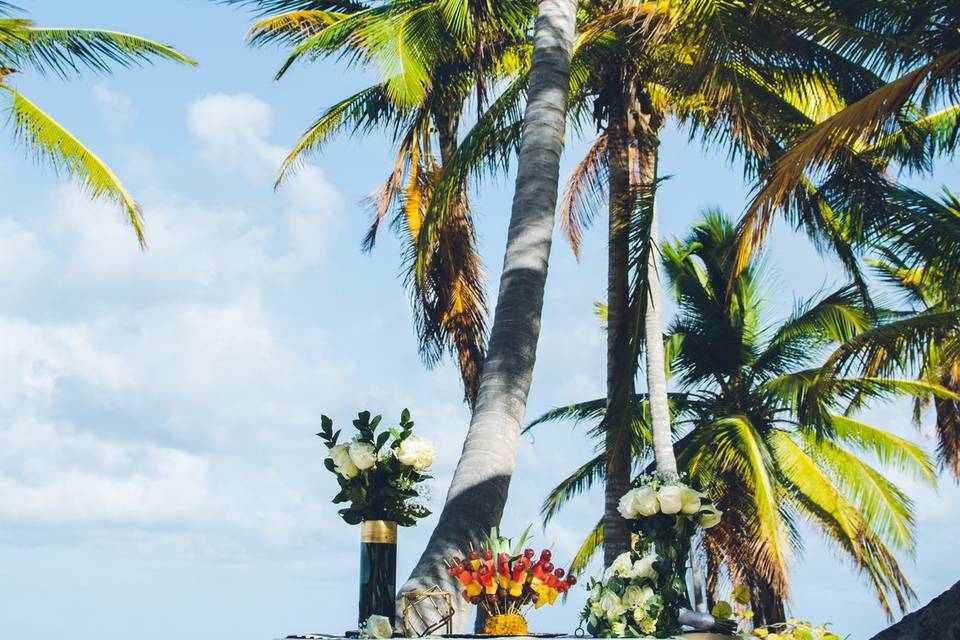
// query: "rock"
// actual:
[[940, 619]]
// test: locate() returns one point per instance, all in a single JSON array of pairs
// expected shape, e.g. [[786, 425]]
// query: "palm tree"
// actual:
[[765, 433], [64, 52], [919, 258], [480, 483], [894, 122], [431, 55], [740, 74]]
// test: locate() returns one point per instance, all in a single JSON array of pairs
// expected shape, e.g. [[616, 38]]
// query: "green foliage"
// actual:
[[374, 475], [763, 424]]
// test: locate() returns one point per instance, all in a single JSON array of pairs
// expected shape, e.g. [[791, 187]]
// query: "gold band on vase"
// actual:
[[378, 531]]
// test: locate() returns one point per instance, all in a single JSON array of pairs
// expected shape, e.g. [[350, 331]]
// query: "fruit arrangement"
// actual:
[[506, 582]]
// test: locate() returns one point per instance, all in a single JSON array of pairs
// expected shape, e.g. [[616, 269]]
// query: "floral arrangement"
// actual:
[[506, 582], [379, 473], [625, 603], [642, 592], [376, 627]]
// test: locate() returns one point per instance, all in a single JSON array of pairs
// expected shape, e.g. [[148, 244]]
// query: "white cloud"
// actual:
[[233, 129], [116, 109], [137, 386]]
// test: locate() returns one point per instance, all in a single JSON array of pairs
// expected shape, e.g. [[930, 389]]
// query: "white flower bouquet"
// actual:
[[665, 513], [625, 604], [379, 473]]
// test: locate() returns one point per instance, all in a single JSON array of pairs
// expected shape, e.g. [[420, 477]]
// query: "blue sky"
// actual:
[[158, 474]]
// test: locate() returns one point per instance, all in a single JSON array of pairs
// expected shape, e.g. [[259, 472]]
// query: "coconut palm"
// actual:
[[64, 52], [738, 74], [764, 435], [919, 258], [710, 65], [478, 491], [903, 121], [431, 55]]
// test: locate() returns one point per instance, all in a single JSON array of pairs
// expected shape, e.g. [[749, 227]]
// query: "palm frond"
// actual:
[[886, 509], [291, 27], [577, 483], [588, 548], [54, 144], [889, 449], [860, 122], [65, 51], [579, 412], [362, 111], [585, 194]]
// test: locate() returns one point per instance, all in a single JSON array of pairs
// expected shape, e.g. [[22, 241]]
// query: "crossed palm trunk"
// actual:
[[480, 483]]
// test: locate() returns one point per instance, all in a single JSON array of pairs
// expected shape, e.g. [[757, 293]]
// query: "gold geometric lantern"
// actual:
[[419, 607]]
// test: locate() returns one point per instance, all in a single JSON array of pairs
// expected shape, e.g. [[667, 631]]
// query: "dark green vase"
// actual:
[[378, 569]]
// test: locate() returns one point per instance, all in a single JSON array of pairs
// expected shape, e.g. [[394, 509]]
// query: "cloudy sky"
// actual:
[[159, 476]]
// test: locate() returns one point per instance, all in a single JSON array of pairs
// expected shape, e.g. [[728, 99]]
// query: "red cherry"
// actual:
[[547, 567], [528, 553], [571, 580], [487, 554], [546, 554], [559, 572], [473, 555]]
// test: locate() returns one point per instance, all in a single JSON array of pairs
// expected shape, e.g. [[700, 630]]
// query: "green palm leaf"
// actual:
[[55, 144], [65, 51]]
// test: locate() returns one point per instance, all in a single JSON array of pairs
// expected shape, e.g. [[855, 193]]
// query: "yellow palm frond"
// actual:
[[292, 26], [52, 142]]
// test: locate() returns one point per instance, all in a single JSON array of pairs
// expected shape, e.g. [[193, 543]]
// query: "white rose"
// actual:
[[416, 452], [610, 602], [709, 516], [638, 502], [625, 506], [668, 497], [634, 596], [377, 627], [618, 567], [643, 568], [342, 463], [362, 455], [690, 500]]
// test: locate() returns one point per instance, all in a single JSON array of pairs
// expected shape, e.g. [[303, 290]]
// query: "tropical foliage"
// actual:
[[64, 52], [379, 473], [431, 56], [767, 430]]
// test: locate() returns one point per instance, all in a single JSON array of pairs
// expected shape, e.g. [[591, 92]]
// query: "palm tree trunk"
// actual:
[[480, 483], [620, 369], [653, 326]]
